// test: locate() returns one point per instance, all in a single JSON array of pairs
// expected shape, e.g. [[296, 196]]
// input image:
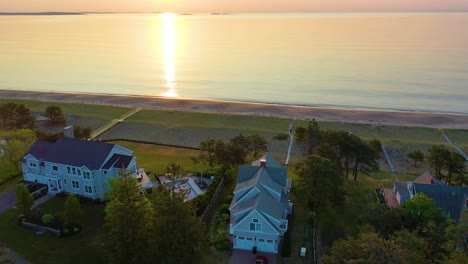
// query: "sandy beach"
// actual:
[[396, 118]]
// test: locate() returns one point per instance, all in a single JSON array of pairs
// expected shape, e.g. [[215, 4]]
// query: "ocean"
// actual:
[[384, 61]]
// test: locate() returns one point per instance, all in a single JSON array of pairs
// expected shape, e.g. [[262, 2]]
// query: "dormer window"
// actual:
[[32, 164], [55, 168], [105, 172]]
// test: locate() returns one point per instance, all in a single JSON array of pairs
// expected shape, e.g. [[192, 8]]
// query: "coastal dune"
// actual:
[[394, 118]]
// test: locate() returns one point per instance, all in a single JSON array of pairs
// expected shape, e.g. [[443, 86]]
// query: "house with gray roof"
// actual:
[[260, 206], [76, 166], [451, 199]]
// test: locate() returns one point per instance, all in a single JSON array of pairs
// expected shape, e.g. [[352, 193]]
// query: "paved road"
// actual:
[[246, 257], [7, 200]]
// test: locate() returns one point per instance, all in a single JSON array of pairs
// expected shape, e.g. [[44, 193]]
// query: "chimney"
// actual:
[[68, 132], [263, 163]]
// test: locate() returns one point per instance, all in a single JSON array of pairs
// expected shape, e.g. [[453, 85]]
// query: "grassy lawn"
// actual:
[[155, 158], [86, 247], [7, 170]]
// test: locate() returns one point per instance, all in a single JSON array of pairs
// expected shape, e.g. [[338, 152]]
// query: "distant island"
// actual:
[[40, 13]]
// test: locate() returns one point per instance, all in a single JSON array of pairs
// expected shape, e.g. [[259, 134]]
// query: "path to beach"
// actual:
[[398, 118]]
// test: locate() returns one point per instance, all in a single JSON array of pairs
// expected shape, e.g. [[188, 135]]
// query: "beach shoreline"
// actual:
[[364, 116]]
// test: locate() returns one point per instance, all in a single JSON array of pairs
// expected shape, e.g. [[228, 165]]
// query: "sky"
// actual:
[[231, 5]]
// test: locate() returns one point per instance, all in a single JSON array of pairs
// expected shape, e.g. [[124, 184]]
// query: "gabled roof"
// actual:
[[73, 152], [118, 161], [402, 188], [261, 181], [450, 199], [39, 149], [427, 178]]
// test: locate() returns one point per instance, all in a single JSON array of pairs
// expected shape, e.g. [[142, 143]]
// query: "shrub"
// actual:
[[222, 243], [48, 219]]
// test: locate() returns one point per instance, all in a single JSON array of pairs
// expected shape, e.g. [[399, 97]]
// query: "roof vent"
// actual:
[[263, 163]]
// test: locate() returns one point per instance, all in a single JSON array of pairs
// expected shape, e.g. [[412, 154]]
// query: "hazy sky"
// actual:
[[231, 5]]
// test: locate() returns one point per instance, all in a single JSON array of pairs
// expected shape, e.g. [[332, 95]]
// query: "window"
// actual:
[[55, 168], [105, 172], [32, 164], [74, 171], [94, 189], [79, 172], [86, 175], [261, 240], [75, 184], [241, 238], [249, 238], [255, 226], [68, 170], [64, 182], [269, 241], [88, 189]]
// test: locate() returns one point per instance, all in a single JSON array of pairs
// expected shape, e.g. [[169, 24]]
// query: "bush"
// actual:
[[222, 243], [47, 219]]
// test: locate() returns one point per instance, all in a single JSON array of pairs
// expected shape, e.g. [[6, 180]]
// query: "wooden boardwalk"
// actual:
[[112, 123]]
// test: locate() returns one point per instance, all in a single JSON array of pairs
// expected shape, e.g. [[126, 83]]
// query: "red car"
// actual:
[[260, 259]]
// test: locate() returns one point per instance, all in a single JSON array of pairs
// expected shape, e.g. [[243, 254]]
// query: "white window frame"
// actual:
[[87, 175], [90, 189], [77, 184]]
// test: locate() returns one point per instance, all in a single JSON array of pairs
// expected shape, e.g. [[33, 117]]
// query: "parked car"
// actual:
[[260, 259]]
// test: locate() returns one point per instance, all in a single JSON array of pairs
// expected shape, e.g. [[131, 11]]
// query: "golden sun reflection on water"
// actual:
[[168, 48]]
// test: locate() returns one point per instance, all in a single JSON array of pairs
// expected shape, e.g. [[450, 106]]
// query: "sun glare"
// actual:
[[168, 48]]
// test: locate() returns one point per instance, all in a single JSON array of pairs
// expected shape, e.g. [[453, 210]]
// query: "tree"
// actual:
[[178, 234], [416, 156], [208, 151], [174, 169], [309, 137], [365, 158], [24, 200], [55, 115], [455, 165], [376, 145], [14, 116], [257, 144], [3, 258], [368, 247], [129, 217], [72, 210], [82, 132], [321, 182], [437, 159], [419, 210], [18, 143], [238, 148]]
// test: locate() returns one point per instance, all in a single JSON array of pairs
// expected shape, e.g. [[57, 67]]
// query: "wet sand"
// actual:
[[395, 118]]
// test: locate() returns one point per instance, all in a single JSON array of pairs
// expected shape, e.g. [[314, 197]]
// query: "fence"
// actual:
[[209, 207]]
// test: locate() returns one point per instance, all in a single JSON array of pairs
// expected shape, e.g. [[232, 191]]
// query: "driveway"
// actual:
[[247, 257], [7, 200]]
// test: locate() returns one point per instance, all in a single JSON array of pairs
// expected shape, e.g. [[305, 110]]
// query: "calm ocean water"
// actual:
[[402, 61]]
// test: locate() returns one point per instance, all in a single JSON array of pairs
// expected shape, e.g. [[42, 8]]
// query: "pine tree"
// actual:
[[129, 217], [72, 210], [24, 200]]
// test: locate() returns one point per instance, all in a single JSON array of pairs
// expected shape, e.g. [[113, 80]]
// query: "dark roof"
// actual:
[[118, 161], [73, 152], [427, 178], [39, 149], [450, 199], [270, 161], [402, 188]]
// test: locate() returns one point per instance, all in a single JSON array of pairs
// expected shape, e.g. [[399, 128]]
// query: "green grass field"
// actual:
[[155, 158]]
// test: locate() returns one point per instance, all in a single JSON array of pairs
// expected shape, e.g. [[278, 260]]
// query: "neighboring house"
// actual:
[[451, 199], [260, 206], [76, 166]]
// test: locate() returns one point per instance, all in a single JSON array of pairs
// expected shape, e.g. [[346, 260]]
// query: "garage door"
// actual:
[[244, 243], [266, 245]]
